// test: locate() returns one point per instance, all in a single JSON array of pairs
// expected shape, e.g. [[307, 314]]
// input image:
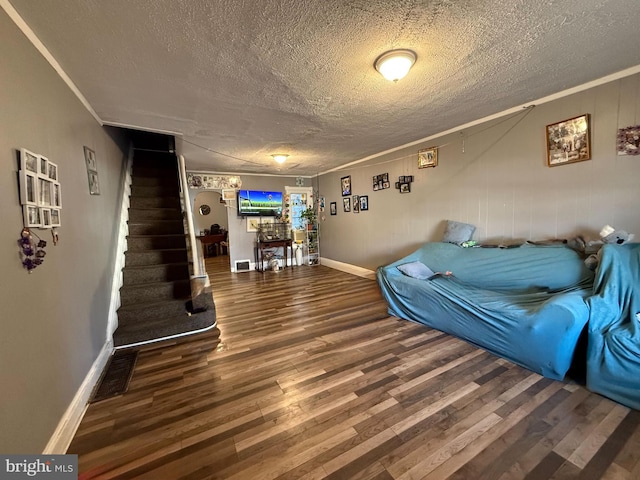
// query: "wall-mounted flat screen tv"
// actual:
[[259, 203]]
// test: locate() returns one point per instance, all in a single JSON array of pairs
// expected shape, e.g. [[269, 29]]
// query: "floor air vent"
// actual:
[[243, 265]]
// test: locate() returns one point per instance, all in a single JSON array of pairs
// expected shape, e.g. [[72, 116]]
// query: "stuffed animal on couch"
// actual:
[[608, 236]]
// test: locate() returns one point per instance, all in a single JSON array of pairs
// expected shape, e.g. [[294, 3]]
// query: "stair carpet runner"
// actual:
[[156, 294]]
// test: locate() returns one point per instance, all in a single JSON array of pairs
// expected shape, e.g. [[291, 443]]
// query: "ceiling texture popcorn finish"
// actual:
[[239, 80]]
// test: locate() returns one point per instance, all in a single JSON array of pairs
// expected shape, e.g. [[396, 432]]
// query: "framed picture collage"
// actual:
[[40, 191]]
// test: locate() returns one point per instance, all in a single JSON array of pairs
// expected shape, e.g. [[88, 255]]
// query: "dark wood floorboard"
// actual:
[[308, 377]]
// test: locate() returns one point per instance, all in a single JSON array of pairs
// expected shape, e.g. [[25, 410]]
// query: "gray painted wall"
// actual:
[[217, 215], [53, 321], [497, 180]]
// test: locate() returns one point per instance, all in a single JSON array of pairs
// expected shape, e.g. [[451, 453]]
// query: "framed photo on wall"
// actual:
[[345, 183], [356, 204], [28, 161], [568, 141], [31, 216], [92, 171], [428, 157], [364, 202], [28, 188], [346, 204], [333, 207]]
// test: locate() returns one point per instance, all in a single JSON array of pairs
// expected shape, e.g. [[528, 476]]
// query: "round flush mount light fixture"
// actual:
[[280, 157], [395, 64]]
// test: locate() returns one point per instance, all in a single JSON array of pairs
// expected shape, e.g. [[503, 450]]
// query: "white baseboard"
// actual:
[[348, 268], [70, 421]]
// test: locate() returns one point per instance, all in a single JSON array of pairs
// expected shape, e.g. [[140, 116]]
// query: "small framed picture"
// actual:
[[44, 192], [28, 161], [228, 194], [386, 184], [31, 215], [375, 187], [397, 185], [408, 178], [568, 141], [90, 159], [356, 204], [56, 195], [346, 204], [55, 217], [385, 177], [629, 140], [428, 157], [45, 217], [405, 187], [333, 207], [401, 179], [28, 188], [43, 166], [364, 202], [52, 171], [94, 183], [345, 183]]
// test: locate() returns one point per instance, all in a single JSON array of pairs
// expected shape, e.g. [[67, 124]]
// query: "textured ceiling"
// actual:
[[242, 79]]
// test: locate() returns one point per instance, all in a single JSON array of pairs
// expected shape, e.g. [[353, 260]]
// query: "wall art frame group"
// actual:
[[381, 182], [40, 191]]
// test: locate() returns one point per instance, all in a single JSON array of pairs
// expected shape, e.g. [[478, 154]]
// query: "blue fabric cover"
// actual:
[[613, 348], [416, 270], [525, 304]]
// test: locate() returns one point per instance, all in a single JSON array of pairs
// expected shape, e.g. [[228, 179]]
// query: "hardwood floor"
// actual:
[[308, 377]]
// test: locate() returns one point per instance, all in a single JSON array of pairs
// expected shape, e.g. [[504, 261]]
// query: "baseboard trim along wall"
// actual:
[[70, 421], [348, 268]]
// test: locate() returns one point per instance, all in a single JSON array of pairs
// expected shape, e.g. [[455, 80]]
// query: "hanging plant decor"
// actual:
[[32, 253]]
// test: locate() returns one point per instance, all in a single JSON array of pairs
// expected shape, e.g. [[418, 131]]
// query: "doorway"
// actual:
[[210, 223]]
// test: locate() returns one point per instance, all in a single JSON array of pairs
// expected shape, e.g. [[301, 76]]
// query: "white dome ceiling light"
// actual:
[[395, 64], [280, 157]]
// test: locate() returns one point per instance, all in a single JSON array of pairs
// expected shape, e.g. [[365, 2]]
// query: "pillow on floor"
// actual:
[[458, 232], [416, 270]]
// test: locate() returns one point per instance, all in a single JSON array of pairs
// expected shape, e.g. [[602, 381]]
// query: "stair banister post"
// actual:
[[189, 213]]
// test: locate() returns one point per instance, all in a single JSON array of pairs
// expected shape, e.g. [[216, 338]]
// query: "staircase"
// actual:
[[156, 300]]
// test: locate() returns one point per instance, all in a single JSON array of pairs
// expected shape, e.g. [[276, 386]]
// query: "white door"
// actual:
[[299, 199]]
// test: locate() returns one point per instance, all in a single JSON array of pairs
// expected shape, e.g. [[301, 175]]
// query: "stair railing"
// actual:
[[198, 271]]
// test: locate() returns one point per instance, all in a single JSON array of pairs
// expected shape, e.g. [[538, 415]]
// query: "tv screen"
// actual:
[[259, 203]]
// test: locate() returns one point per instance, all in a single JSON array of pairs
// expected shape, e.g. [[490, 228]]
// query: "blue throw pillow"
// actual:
[[458, 232], [416, 270]]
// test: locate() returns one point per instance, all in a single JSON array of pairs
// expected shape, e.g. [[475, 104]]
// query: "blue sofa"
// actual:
[[613, 347], [525, 304]]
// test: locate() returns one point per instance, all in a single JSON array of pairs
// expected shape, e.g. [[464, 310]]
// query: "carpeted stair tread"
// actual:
[[154, 202], [162, 328], [153, 190], [155, 291], [157, 227], [151, 213], [145, 311], [161, 272], [139, 243], [153, 257]]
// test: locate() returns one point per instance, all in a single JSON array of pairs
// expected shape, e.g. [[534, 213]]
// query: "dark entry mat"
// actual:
[[116, 376]]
